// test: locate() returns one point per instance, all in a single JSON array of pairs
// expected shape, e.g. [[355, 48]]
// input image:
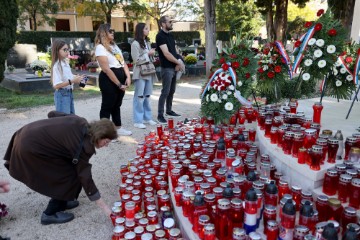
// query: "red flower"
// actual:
[[348, 59], [318, 27], [308, 24], [297, 43], [223, 87], [225, 67], [246, 62], [266, 51], [233, 56], [283, 60], [343, 53], [212, 84], [358, 51], [332, 32], [247, 75], [260, 70], [235, 65], [271, 74], [320, 12], [222, 60], [277, 69]]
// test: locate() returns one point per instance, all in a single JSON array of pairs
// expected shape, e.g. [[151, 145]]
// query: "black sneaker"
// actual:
[[161, 120], [172, 114]]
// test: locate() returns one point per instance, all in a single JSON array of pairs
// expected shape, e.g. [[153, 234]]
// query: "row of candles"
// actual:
[[186, 137]]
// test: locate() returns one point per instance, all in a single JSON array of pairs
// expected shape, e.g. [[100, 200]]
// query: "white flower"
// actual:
[[318, 53], [207, 97], [320, 42], [219, 100], [338, 83], [214, 97], [306, 76], [342, 70], [265, 67], [349, 78], [308, 62], [331, 49], [312, 41], [335, 71], [322, 63], [231, 87], [239, 83], [337, 63], [224, 96], [228, 92], [229, 106]]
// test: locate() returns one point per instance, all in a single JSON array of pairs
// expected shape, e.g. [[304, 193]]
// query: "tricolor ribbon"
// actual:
[[285, 56], [300, 55], [232, 73], [322, 85], [344, 65], [356, 69], [301, 39]]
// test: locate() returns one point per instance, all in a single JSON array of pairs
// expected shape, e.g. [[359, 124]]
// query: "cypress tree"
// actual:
[[9, 14]]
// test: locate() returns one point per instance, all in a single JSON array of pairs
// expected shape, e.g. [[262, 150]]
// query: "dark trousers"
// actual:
[[55, 206], [112, 96], [168, 76]]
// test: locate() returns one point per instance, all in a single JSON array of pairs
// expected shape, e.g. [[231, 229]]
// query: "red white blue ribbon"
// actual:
[[300, 55], [356, 69], [322, 85], [285, 56], [344, 65], [301, 39]]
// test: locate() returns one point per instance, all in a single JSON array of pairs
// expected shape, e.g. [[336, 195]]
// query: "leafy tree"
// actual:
[[344, 11], [31, 9], [275, 12], [107, 6], [7, 30], [231, 15]]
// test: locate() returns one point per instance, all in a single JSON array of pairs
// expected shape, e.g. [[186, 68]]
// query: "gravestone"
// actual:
[[21, 54], [79, 46]]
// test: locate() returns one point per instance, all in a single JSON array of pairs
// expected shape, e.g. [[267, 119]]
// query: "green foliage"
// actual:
[[32, 9], [233, 16], [294, 11], [296, 27], [8, 15], [190, 59]]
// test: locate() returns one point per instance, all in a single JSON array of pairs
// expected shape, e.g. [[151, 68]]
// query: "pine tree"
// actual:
[[8, 23]]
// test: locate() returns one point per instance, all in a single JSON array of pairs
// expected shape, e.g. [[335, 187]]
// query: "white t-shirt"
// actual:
[[115, 58], [65, 76]]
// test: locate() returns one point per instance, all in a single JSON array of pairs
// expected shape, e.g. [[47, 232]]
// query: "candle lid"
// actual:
[[329, 232], [270, 209], [323, 198], [119, 229], [174, 232], [272, 224], [254, 236], [151, 228], [239, 232], [351, 139], [223, 203], [251, 176], [289, 208], [321, 141], [289, 134], [130, 235], [298, 135], [331, 172], [334, 202], [317, 148], [310, 131], [355, 150], [351, 172], [160, 233], [139, 229], [236, 203], [345, 177], [355, 182], [204, 219], [209, 228], [350, 210], [146, 236]]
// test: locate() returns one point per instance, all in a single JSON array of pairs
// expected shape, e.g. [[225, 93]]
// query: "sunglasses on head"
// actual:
[[112, 31]]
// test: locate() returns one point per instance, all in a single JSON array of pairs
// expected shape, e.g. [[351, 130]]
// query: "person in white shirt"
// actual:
[[62, 78], [114, 77]]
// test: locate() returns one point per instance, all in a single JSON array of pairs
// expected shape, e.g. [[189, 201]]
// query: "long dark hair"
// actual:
[[55, 48], [139, 34]]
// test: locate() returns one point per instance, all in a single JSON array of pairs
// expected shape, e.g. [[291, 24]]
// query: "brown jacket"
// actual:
[[40, 155]]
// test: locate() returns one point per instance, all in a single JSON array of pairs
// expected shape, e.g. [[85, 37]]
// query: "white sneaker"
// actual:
[[139, 125], [123, 132], [150, 122]]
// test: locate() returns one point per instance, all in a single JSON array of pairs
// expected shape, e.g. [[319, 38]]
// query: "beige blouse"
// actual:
[[140, 55]]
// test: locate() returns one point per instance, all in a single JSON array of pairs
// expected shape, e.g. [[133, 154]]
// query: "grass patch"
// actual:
[[13, 100]]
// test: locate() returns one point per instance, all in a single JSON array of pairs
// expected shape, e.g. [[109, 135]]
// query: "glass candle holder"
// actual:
[[322, 206], [324, 144], [269, 214], [315, 155], [349, 143], [344, 187], [333, 146], [268, 123], [330, 184], [348, 216], [317, 107], [209, 232], [288, 142], [273, 135], [297, 143], [272, 230], [354, 199]]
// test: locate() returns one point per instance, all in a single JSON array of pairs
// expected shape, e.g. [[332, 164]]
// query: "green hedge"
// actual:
[[42, 38]]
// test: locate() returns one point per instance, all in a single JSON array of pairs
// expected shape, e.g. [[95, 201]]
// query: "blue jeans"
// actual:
[[64, 101], [168, 77], [141, 101]]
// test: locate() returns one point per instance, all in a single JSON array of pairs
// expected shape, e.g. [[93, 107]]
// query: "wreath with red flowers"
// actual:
[[272, 72], [219, 101]]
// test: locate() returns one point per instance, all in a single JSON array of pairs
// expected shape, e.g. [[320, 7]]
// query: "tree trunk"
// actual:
[[108, 17], [348, 15], [34, 22], [281, 19], [210, 32], [158, 23], [270, 25]]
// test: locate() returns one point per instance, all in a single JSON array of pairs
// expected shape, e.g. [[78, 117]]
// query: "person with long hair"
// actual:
[[114, 77], [141, 52], [55, 163], [62, 78]]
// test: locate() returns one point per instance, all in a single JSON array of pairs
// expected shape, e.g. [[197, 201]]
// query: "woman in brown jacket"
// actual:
[[51, 156]]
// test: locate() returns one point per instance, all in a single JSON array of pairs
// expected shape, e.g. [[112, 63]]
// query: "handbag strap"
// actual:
[[77, 155]]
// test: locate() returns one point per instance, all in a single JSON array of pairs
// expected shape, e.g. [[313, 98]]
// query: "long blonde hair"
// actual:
[[55, 48], [102, 37]]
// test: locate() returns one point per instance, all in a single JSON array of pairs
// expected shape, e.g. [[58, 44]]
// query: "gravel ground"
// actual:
[[25, 206]]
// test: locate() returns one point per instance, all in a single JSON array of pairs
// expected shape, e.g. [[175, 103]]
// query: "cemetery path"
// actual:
[[25, 206]]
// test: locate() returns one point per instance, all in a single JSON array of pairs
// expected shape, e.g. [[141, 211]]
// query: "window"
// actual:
[[62, 25]]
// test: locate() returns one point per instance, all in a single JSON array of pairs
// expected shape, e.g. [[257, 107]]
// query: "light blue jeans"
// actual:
[[64, 101], [141, 101]]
